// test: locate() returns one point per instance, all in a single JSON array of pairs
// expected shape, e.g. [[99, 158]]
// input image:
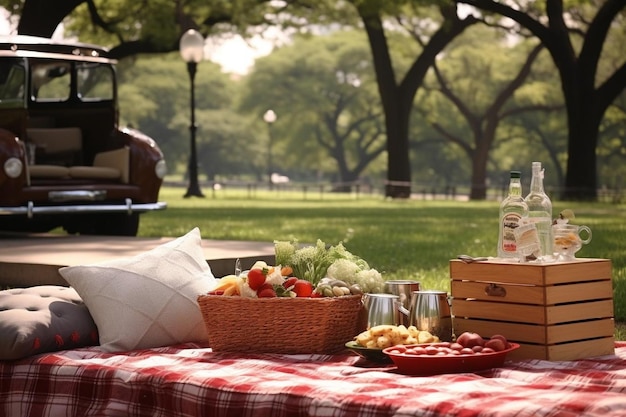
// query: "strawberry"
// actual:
[[267, 292], [256, 278], [303, 288], [289, 283]]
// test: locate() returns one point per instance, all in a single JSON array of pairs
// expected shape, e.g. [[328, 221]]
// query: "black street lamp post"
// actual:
[[192, 51], [270, 118]]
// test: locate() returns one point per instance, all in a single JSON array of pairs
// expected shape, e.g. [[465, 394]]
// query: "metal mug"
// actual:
[[383, 309], [403, 288], [430, 311]]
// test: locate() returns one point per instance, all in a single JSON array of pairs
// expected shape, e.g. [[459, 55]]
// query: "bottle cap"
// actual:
[[516, 174]]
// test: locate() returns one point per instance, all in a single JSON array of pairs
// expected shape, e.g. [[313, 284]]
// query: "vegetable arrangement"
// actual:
[[324, 265], [308, 271]]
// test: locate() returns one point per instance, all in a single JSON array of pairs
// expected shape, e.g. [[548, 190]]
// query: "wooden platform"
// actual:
[[34, 259]]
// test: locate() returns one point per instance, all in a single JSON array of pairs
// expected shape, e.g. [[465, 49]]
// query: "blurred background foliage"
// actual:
[[491, 101], [308, 84]]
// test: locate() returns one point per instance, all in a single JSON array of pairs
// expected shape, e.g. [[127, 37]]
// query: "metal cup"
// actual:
[[430, 311], [382, 309], [403, 288]]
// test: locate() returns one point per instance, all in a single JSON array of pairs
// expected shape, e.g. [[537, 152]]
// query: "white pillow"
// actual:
[[149, 300]]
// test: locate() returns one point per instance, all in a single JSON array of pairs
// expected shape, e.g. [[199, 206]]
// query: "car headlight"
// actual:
[[160, 169], [13, 167]]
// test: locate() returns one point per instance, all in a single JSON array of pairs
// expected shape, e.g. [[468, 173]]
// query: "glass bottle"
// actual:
[[512, 210], [540, 211]]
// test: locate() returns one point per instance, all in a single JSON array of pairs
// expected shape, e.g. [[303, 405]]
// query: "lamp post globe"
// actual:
[[269, 117], [192, 51]]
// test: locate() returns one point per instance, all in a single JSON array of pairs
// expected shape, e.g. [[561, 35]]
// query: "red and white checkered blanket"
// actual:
[[191, 381]]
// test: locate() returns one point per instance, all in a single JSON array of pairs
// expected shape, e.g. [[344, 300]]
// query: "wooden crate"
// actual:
[[555, 311]]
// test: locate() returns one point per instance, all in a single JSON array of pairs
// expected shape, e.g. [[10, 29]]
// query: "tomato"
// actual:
[[256, 278], [267, 293], [303, 288], [289, 283]]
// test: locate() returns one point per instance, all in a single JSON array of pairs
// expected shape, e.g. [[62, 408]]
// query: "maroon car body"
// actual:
[[64, 160]]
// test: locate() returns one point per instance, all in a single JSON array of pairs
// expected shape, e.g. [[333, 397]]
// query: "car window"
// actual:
[[50, 80], [94, 81], [12, 80]]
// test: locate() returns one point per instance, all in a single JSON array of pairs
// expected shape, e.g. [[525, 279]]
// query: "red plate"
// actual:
[[410, 364]]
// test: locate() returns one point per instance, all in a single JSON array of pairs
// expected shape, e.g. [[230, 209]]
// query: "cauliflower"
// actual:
[[370, 281], [353, 272], [313, 263], [344, 270]]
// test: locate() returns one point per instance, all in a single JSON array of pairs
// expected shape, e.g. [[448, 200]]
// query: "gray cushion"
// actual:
[[43, 319]]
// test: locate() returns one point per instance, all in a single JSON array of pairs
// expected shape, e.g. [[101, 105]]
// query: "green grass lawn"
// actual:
[[412, 239]]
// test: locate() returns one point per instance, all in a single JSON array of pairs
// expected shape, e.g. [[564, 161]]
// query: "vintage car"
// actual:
[[64, 160]]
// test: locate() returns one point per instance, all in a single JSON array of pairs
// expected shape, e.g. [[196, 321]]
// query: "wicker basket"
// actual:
[[281, 325]]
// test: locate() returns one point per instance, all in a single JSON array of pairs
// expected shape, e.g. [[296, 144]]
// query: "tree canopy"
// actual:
[[575, 34], [324, 91]]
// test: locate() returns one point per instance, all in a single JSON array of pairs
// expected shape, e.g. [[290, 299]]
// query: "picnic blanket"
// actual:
[[190, 380]]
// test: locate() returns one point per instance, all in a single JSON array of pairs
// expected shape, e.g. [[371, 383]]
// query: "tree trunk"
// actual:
[[398, 162], [581, 178], [397, 98], [396, 114], [42, 17]]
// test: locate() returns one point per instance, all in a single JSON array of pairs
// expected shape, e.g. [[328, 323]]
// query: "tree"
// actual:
[[480, 78], [41, 17], [154, 26], [131, 27], [324, 88], [612, 148], [587, 95], [398, 97], [148, 27], [227, 144], [154, 97]]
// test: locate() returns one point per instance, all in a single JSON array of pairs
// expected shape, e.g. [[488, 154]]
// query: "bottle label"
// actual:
[[543, 223], [510, 222]]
